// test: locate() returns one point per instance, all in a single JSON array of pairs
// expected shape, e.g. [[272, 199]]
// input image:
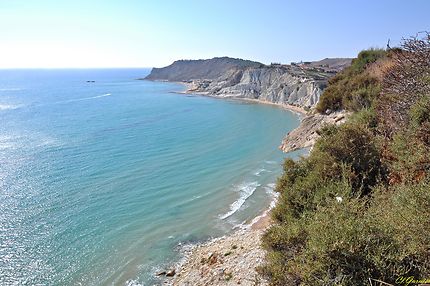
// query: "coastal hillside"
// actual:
[[336, 64], [356, 211], [188, 70], [299, 84]]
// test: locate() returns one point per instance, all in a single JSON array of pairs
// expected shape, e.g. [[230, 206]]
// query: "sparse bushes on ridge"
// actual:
[[353, 88], [405, 83], [365, 58], [358, 206]]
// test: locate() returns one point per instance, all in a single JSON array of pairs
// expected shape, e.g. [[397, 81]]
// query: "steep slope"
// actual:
[[356, 210]]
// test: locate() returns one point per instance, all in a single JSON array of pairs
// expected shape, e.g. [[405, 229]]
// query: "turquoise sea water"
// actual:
[[100, 181]]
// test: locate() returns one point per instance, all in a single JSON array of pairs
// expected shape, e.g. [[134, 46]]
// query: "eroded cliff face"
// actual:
[[298, 84], [279, 85]]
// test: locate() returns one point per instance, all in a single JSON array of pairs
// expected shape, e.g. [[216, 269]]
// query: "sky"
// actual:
[[139, 33]]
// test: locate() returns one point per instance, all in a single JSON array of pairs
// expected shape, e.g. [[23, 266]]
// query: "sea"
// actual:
[[103, 177]]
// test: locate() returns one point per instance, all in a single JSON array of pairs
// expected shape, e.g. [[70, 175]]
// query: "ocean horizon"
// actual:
[[103, 176]]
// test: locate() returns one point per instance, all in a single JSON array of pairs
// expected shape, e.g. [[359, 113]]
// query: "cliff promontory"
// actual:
[[298, 84], [188, 70]]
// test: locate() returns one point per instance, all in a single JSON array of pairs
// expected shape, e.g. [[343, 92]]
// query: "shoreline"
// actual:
[[292, 108], [232, 258], [227, 260]]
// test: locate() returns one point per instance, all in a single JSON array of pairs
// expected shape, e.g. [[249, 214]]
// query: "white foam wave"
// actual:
[[10, 89], [98, 96], [270, 189], [86, 98], [93, 97], [245, 190], [8, 107], [257, 173], [133, 283]]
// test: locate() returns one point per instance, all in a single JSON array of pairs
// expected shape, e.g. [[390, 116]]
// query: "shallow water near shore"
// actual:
[[100, 181]]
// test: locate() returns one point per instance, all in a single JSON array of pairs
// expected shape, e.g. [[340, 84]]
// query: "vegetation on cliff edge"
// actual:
[[355, 87], [359, 206]]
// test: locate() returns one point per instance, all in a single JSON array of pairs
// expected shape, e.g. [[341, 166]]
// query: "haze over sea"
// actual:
[[100, 181]]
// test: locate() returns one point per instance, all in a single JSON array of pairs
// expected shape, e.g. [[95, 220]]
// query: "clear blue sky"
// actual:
[[132, 33]]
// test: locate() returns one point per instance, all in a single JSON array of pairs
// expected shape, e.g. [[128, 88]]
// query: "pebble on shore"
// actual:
[[230, 260]]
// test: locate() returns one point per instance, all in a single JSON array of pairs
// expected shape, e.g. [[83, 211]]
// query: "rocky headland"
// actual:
[[189, 70]]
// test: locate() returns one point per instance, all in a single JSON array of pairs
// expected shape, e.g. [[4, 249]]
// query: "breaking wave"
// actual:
[[246, 190]]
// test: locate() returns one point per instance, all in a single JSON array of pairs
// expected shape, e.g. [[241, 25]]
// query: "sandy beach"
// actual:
[[189, 89]]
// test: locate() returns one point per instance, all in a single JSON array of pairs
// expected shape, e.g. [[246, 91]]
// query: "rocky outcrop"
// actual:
[[307, 133]]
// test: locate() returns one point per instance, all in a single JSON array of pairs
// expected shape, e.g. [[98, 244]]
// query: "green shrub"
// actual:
[[401, 216], [358, 206], [331, 99], [366, 118], [353, 88], [353, 145], [409, 159], [366, 57], [420, 112], [334, 253], [345, 243], [408, 151]]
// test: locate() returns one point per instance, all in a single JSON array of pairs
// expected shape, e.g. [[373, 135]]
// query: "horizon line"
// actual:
[[81, 68]]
